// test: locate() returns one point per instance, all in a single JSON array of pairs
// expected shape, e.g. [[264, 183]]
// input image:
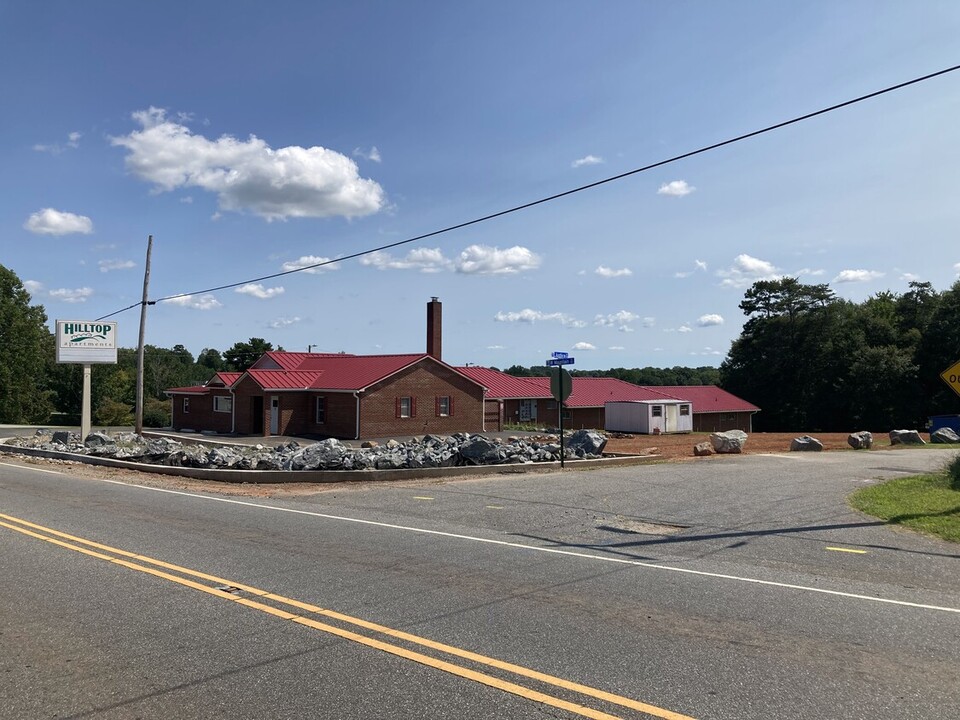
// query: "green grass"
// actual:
[[928, 503]]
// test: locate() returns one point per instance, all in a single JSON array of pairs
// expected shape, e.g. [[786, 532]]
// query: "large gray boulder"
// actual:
[[324, 455], [945, 436], [731, 441], [585, 443], [478, 450], [61, 436], [906, 437], [862, 440], [805, 443], [98, 439]]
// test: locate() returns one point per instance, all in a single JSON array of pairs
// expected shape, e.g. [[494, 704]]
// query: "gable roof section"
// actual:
[[335, 372], [501, 386], [223, 379], [709, 398], [594, 392], [283, 360]]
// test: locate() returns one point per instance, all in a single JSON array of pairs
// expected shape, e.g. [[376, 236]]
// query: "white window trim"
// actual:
[[218, 399], [408, 401], [316, 411]]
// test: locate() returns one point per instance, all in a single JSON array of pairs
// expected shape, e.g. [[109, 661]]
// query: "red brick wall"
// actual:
[[244, 392], [298, 414], [201, 415], [720, 422], [424, 381]]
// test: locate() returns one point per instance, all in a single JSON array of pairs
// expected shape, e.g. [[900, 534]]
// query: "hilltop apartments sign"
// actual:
[[80, 341]]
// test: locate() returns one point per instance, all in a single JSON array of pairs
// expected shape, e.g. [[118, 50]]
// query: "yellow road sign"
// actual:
[[951, 376]]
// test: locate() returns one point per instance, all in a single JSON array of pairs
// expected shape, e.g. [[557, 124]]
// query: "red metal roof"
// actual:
[[501, 386], [289, 360], [332, 371], [191, 390], [594, 392], [227, 378], [709, 398]]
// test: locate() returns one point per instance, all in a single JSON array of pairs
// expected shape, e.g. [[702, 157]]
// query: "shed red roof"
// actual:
[[709, 398], [594, 392], [283, 360]]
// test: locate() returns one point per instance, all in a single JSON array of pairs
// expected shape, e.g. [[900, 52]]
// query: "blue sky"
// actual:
[[250, 138]]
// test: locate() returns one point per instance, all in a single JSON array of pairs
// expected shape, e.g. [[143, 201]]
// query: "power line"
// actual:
[[557, 196]]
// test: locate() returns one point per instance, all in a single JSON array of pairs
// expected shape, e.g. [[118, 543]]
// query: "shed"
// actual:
[[649, 417]]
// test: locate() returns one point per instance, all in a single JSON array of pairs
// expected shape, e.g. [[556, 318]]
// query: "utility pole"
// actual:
[[138, 426]]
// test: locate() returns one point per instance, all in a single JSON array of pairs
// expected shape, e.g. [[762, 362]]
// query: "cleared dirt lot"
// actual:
[[681, 446]]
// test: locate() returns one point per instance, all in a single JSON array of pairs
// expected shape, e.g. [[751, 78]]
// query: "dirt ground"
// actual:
[[675, 447]]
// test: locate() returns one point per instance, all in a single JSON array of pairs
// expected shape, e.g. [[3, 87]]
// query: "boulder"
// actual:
[[478, 450], [62, 437], [731, 441], [97, 439], [586, 442], [945, 436], [805, 443], [703, 449], [862, 440], [369, 444], [906, 437]]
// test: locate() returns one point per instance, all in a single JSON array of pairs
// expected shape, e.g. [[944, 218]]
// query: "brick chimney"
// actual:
[[434, 327]]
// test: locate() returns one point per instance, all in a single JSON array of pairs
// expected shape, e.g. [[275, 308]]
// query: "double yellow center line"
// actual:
[[229, 590]]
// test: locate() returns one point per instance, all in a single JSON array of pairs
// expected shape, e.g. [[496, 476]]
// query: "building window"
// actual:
[[186, 406], [729, 416], [684, 410], [444, 406], [321, 410], [656, 410], [406, 407], [223, 404]]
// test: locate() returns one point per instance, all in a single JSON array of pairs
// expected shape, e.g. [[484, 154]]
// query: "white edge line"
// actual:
[[554, 551], [28, 467]]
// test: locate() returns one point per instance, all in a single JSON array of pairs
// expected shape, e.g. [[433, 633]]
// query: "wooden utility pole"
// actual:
[[138, 426]]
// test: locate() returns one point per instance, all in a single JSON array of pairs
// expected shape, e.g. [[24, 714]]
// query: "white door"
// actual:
[[673, 414], [274, 414]]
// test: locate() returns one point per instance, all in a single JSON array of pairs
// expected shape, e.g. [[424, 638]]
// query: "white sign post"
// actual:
[[83, 342]]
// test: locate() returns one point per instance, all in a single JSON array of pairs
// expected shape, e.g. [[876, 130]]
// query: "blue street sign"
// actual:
[[558, 354], [560, 361]]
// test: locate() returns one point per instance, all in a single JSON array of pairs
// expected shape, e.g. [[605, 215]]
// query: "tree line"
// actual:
[[34, 388], [638, 376], [812, 361]]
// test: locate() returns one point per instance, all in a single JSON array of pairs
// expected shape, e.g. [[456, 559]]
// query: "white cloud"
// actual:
[[531, 316], [956, 267], [248, 174], [496, 347], [709, 320], [108, 265], [33, 286], [204, 302], [808, 271], [707, 351], [697, 265], [77, 295], [283, 322], [676, 188], [616, 348], [372, 154], [187, 199], [54, 222], [747, 270], [486, 260], [306, 261], [606, 272], [847, 276], [584, 346], [910, 277], [257, 290], [425, 260], [700, 265], [620, 320], [474, 260], [587, 160], [73, 141], [684, 329]]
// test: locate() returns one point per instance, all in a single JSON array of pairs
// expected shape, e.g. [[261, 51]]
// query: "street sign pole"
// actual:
[[561, 385]]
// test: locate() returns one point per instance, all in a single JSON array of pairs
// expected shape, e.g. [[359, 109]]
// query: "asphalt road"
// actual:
[[740, 587]]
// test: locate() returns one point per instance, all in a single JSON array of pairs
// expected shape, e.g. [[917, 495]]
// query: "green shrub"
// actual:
[[110, 413], [156, 413], [953, 472]]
